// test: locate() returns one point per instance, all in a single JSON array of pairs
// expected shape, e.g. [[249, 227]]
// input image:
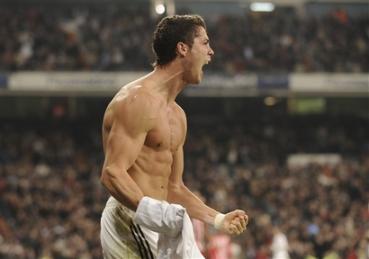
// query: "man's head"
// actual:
[[170, 31], [182, 36]]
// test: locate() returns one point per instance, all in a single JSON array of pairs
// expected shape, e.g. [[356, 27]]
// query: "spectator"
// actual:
[[51, 198], [95, 37]]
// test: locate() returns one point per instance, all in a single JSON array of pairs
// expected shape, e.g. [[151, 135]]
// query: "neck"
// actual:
[[169, 81]]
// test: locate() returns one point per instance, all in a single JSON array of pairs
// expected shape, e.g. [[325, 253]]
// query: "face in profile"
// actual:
[[198, 56]]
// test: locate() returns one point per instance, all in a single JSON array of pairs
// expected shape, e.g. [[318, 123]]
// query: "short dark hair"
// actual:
[[171, 30]]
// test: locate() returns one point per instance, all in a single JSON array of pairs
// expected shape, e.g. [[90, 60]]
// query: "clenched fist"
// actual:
[[234, 222]]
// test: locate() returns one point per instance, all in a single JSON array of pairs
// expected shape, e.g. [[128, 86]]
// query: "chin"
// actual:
[[195, 77], [197, 81], [199, 77], [194, 80]]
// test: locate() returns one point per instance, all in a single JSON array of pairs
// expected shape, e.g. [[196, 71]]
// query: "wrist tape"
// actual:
[[218, 220]]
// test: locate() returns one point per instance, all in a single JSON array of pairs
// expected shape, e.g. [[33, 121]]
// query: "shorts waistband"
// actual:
[[112, 202]]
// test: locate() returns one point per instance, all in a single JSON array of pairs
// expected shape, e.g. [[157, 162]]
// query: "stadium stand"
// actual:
[[236, 156], [51, 197], [107, 38]]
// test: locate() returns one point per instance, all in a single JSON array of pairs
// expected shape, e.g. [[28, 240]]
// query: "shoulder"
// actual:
[[137, 99], [135, 107], [181, 113], [179, 109]]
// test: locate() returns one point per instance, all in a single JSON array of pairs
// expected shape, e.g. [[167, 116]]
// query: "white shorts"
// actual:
[[123, 239]]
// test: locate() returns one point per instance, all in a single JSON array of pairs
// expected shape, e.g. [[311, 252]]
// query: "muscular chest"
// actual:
[[169, 131]]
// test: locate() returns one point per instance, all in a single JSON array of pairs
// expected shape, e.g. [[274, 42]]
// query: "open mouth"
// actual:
[[202, 67], [204, 64]]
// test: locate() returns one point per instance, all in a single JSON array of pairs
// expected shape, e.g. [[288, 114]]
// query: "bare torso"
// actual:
[[153, 166], [144, 132]]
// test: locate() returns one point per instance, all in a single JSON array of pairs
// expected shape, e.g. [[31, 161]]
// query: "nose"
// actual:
[[211, 51]]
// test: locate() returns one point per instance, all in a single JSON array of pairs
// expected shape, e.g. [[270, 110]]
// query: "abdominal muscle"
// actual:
[[151, 172]]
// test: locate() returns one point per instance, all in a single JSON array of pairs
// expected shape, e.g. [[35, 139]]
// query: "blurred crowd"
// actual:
[[51, 198], [112, 38], [321, 209]]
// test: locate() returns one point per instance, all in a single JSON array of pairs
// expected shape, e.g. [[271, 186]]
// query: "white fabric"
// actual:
[[171, 221], [117, 239]]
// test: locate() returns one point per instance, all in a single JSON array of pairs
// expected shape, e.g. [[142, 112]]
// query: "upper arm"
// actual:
[[131, 120]]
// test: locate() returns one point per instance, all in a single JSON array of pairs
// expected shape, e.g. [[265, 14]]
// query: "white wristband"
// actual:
[[218, 220]]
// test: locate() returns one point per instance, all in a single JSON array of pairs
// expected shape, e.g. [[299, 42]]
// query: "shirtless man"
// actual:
[[144, 131]]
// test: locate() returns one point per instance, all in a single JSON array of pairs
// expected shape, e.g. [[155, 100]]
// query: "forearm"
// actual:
[[194, 206], [122, 187]]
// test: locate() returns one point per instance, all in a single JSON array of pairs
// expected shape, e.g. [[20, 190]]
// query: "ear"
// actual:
[[182, 49]]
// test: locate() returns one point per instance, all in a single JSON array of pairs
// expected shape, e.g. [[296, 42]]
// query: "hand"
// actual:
[[235, 222]]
